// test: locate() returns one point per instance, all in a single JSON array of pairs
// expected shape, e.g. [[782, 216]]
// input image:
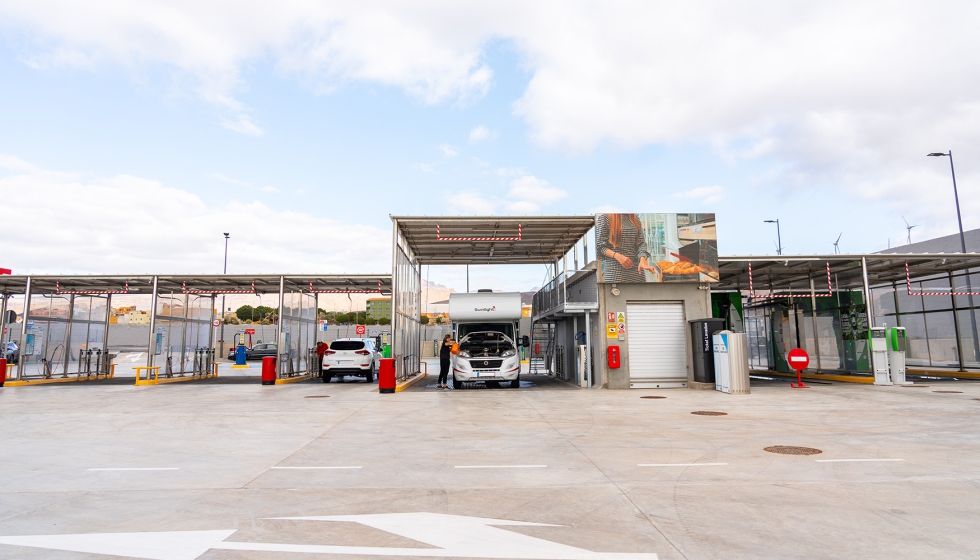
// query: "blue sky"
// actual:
[[128, 147]]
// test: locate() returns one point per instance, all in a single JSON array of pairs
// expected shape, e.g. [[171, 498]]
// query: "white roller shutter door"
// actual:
[[657, 336]]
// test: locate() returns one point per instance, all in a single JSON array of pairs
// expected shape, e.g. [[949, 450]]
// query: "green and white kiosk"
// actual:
[[896, 355]]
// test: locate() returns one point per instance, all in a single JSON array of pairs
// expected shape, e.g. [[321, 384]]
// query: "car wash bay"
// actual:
[[157, 327]]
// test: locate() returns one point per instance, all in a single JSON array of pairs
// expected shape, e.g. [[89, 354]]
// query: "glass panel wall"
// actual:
[[835, 334], [927, 315]]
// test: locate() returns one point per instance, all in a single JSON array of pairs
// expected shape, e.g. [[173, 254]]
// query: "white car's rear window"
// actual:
[[346, 345]]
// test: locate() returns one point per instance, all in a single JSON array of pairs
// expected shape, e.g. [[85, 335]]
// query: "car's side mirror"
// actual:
[[525, 341]]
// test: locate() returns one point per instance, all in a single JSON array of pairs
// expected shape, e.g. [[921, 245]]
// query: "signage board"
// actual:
[[640, 248], [360, 330], [612, 330]]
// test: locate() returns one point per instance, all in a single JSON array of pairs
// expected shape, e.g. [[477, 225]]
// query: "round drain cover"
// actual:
[[947, 391], [792, 450], [653, 397], [709, 413], [317, 397]]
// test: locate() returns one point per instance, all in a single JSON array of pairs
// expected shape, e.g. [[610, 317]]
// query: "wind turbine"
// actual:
[[836, 249], [908, 229]]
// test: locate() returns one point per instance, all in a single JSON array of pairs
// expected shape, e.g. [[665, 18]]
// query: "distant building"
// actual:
[[379, 308]]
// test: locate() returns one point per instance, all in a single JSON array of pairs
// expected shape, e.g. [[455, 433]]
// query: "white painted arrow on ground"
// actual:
[[451, 535]]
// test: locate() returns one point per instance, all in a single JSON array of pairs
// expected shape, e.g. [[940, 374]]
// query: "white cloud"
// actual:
[[16, 164], [467, 202], [707, 195], [425, 168], [826, 93], [527, 195], [269, 189], [448, 151], [243, 124], [479, 134], [607, 209], [125, 215], [226, 179], [530, 193]]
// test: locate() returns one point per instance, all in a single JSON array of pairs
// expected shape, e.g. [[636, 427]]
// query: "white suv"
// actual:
[[486, 356], [350, 356]]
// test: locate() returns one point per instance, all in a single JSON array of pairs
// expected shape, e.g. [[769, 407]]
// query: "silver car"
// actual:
[[487, 356]]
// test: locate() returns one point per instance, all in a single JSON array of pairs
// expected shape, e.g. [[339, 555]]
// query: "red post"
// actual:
[[3, 370], [269, 370], [386, 376]]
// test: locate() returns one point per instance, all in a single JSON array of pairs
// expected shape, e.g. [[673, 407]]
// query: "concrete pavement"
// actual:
[[902, 478]]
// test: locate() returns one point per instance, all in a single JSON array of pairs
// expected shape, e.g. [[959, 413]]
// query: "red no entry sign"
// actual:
[[361, 329], [798, 360]]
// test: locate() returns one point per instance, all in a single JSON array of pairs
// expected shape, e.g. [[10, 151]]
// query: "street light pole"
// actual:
[[779, 237], [222, 346], [969, 286]]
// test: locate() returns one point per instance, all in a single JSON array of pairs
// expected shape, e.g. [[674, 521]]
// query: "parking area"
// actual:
[[211, 469]]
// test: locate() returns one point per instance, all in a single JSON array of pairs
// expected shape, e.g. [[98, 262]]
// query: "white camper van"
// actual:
[[486, 325]]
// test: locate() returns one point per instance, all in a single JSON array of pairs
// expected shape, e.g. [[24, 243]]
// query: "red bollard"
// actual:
[[269, 370], [3, 370], [386, 376]]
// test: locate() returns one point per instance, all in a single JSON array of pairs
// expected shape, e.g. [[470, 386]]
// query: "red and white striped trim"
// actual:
[[520, 235], [59, 291], [186, 291], [790, 295], [908, 283], [345, 291]]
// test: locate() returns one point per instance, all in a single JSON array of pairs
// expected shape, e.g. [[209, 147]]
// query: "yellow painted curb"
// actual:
[[409, 382], [240, 367], [292, 379], [869, 379], [943, 373], [28, 382]]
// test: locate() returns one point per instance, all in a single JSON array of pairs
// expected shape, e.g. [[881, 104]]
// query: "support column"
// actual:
[[588, 349], [280, 343], [71, 319], [396, 340], [813, 316], [3, 319], [956, 324], [152, 346], [23, 330], [105, 333], [578, 373], [867, 291], [214, 300], [183, 332], [585, 248]]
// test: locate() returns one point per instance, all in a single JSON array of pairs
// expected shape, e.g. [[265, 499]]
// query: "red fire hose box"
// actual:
[[386, 376], [269, 370]]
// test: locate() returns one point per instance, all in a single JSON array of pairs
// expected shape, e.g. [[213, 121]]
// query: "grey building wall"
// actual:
[[945, 244], [697, 305]]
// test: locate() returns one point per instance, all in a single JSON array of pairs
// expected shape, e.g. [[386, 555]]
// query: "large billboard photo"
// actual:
[[634, 248]]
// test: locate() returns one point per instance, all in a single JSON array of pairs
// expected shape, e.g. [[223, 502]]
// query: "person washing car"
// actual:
[[444, 353]]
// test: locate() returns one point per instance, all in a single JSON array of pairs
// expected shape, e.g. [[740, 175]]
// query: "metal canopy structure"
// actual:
[[446, 240], [456, 240], [197, 284], [296, 296], [784, 273]]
